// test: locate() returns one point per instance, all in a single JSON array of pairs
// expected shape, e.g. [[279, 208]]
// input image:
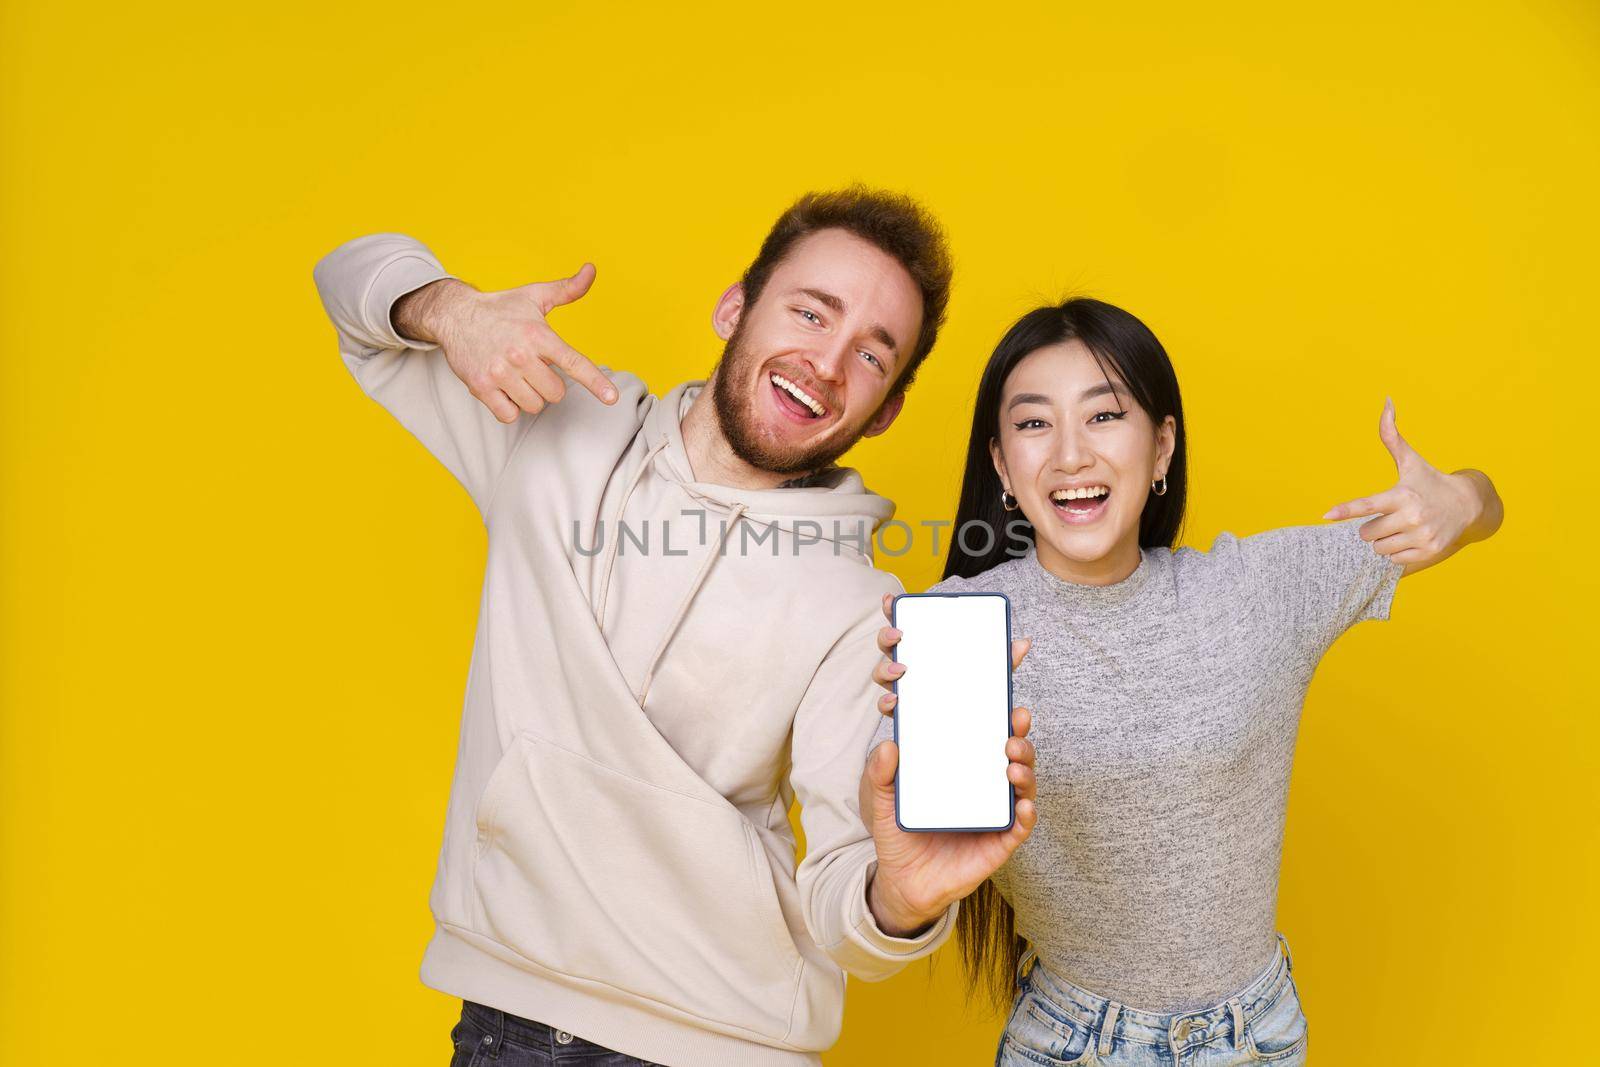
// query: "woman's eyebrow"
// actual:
[[1101, 390], [1027, 398]]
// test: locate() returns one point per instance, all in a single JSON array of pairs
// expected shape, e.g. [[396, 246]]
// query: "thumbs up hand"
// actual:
[[1428, 514]]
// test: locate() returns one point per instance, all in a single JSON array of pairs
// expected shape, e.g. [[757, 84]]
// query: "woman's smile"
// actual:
[[1079, 506]]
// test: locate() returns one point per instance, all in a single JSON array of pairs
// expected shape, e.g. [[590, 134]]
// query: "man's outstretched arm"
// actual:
[[832, 732], [464, 371]]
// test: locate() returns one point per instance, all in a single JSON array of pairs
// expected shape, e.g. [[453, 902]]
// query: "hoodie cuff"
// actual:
[[863, 932], [405, 274]]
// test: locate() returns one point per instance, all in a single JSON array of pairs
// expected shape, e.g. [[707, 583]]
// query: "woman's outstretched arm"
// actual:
[[1429, 515]]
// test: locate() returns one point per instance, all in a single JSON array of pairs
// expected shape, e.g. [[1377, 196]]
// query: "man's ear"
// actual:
[[730, 305], [885, 416], [1166, 444], [999, 462]]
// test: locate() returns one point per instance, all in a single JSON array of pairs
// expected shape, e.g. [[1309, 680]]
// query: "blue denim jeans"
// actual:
[[1054, 1022], [486, 1036]]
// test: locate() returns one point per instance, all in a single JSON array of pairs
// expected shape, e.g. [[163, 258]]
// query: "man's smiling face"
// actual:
[[808, 368]]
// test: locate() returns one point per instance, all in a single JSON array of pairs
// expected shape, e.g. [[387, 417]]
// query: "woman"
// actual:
[[1166, 687]]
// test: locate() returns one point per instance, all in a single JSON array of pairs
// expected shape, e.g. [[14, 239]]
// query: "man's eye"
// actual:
[[810, 315], [876, 362]]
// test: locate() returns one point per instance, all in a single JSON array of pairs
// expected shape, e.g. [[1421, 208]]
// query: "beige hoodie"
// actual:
[[617, 857]]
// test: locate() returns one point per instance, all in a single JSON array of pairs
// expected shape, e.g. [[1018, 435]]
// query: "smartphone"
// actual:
[[953, 715]]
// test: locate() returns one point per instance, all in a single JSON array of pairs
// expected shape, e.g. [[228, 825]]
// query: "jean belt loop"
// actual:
[[1027, 957], [1283, 942], [1237, 1011], [1108, 1028]]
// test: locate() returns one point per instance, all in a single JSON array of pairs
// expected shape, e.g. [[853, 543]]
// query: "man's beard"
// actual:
[[736, 418]]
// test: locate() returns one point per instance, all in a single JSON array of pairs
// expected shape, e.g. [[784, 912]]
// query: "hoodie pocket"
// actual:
[[601, 876]]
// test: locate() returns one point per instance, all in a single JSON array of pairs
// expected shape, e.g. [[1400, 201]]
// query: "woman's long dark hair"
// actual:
[[1126, 349]]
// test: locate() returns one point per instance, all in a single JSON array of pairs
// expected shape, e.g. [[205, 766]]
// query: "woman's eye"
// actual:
[[1028, 424], [1108, 416]]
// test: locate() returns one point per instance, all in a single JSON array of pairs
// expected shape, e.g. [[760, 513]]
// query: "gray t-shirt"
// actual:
[[1165, 709]]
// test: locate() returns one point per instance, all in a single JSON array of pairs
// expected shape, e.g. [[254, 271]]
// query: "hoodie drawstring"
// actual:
[[616, 532], [699, 579], [683, 608]]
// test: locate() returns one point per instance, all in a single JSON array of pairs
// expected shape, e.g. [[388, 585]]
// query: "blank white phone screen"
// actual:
[[954, 712]]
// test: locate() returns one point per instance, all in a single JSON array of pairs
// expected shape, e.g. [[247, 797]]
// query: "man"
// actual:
[[676, 640]]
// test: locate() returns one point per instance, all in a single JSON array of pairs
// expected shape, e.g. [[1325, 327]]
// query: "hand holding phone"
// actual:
[[919, 874]]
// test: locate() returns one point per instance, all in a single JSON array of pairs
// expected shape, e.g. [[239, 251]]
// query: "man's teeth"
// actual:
[[799, 394], [1061, 496]]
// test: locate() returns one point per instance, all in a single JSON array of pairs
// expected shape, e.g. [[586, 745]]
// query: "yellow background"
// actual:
[[238, 599]]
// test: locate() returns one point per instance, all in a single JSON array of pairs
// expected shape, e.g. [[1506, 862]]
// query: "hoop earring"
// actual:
[[1004, 496], [1163, 490]]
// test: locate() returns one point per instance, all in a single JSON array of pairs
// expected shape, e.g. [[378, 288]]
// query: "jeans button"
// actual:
[[563, 1038], [488, 1039], [1181, 1031]]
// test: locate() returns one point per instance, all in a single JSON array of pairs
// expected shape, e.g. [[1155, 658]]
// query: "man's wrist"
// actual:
[[894, 915], [423, 314]]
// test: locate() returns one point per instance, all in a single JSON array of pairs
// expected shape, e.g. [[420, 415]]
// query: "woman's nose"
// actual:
[[1072, 452]]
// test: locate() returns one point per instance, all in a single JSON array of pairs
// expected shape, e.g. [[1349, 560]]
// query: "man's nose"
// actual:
[[827, 361]]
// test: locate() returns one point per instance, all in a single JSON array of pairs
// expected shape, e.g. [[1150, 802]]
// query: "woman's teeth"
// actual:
[[799, 394], [1093, 492]]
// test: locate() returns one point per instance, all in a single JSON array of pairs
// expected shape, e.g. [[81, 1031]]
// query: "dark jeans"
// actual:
[[487, 1037]]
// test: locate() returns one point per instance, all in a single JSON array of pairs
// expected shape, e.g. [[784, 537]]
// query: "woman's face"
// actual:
[[1079, 455]]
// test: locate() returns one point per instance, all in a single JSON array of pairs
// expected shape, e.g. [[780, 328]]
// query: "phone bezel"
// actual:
[[1005, 651]]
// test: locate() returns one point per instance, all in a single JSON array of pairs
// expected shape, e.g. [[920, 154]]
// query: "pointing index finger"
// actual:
[[1350, 509], [1377, 504], [581, 369]]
